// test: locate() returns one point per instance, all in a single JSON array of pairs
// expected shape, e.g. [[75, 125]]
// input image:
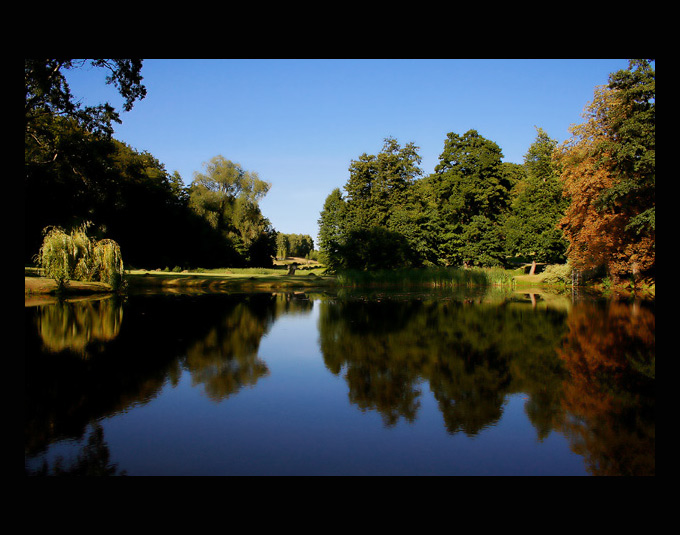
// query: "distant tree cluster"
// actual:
[[589, 201], [471, 211], [296, 245]]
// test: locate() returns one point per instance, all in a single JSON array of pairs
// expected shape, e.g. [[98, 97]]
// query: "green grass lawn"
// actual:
[[233, 277]]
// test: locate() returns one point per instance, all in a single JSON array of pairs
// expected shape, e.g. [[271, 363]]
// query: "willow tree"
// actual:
[[73, 255]]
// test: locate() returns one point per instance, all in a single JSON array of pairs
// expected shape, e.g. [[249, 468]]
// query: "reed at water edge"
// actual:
[[434, 277]]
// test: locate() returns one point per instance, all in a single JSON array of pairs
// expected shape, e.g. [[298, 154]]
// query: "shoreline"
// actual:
[[39, 289]]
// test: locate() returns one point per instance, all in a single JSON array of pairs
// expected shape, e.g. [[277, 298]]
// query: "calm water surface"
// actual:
[[317, 384]]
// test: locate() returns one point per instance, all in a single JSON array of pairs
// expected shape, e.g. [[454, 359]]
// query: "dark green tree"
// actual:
[[537, 207], [128, 196], [630, 145], [467, 196], [331, 229], [380, 195], [379, 185]]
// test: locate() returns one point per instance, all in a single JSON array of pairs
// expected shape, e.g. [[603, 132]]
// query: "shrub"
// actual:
[[557, 274]]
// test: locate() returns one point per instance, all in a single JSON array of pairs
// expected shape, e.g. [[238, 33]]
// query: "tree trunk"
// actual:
[[533, 267]]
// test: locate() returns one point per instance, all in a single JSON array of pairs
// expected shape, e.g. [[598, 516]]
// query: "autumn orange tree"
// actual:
[[608, 174]]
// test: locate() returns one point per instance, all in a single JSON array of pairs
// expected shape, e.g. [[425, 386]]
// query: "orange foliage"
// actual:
[[597, 236]]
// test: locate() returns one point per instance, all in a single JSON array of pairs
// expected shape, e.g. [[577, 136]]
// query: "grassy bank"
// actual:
[[199, 280], [434, 277], [254, 279]]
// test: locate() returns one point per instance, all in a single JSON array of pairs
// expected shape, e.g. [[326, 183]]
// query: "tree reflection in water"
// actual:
[[586, 370], [83, 363], [92, 460], [79, 327], [472, 356], [610, 353]]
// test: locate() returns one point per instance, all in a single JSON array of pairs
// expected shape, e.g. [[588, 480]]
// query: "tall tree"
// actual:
[[631, 142], [608, 172], [379, 184], [469, 192], [537, 206], [331, 229], [227, 196], [377, 223]]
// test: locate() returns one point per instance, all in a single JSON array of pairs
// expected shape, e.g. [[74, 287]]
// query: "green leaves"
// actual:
[[470, 190], [48, 93]]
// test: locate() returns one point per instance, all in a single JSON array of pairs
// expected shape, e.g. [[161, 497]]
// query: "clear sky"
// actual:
[[298, 123]]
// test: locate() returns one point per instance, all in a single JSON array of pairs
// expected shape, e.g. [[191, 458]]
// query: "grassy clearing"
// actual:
[[225, 278]]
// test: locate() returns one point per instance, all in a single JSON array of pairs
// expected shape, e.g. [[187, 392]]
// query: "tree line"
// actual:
[[296, 245], [76, 172], [589, 201]]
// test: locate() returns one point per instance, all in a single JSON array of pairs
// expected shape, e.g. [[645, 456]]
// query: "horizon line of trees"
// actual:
[[589, 201]]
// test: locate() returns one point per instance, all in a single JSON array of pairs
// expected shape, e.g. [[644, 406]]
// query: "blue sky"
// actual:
[[299, 123]]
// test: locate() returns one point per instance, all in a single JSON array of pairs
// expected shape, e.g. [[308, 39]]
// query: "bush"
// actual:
[[557, 274]]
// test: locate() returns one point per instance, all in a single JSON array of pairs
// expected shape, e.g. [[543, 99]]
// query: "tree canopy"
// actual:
[[48, 94], [589, 200], [537, 206], [227, 196]]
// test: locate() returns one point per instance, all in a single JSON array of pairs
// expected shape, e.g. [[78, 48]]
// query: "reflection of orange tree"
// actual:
[[610, 397], [75, 326]]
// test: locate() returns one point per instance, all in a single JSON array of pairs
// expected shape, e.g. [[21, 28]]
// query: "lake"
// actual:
[[468, 382]]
